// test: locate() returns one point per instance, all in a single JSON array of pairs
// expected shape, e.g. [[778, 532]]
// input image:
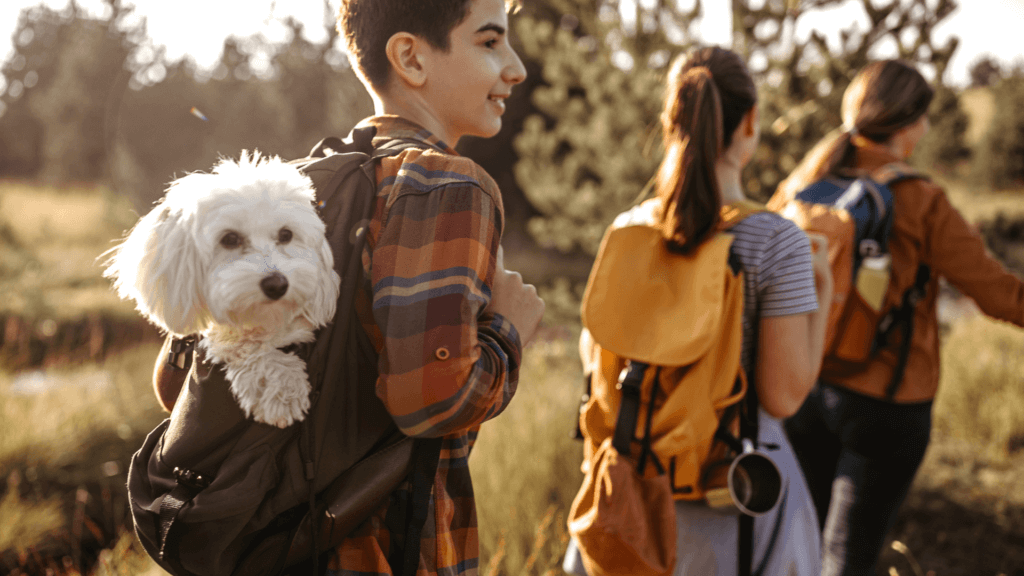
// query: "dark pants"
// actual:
[[859, 456]]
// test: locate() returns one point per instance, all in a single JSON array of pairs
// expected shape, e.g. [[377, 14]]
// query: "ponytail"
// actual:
[[828, 157], [708, 93], [687, 183], [883, 98]]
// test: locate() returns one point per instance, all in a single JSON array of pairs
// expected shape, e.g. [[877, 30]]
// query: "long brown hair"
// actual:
[[708, 92], [883, 98]]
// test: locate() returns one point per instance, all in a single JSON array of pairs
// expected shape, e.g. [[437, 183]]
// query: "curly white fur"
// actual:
[[239, 256]]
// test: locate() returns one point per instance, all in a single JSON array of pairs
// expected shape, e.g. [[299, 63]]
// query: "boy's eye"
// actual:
[[491, 43]]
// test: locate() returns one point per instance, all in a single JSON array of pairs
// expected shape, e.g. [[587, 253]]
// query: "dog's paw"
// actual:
[[282, 413], [284, 397]]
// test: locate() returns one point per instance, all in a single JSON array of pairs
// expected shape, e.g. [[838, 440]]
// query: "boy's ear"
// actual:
[[404, 51], [751, 120]]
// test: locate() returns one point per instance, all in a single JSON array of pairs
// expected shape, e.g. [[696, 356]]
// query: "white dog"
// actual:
[[238, 256]]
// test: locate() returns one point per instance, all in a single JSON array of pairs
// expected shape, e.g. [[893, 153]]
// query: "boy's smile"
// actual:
[[466, 86]]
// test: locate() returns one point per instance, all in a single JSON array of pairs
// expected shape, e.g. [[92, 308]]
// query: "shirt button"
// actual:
[[442, 353]]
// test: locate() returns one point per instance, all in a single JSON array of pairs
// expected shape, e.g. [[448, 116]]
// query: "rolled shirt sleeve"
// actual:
[[447, 364]]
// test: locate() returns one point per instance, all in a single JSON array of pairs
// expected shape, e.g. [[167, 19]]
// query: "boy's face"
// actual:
[[467, 85]]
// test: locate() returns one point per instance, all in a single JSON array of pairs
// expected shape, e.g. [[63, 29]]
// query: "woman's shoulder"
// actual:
[[766, 226], [916, 184]]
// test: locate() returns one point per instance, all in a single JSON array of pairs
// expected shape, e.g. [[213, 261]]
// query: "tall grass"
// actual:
[[981, 395], [526, 467], [55, 415], [58, 445], [49, 241], [66, 440]]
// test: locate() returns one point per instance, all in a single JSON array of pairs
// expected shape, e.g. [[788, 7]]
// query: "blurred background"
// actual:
[[102, 102]]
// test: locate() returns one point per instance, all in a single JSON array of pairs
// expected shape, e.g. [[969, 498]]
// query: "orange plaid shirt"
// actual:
[[446, 363]]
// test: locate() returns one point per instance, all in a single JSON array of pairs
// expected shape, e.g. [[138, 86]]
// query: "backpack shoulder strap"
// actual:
[[349, 211], [736, 212], [894, 172]]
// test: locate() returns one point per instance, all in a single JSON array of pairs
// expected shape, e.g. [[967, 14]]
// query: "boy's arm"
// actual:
[[447, 364]]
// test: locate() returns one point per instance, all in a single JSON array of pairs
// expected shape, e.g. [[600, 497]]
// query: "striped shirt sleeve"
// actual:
[[447, 364], [785, 279]]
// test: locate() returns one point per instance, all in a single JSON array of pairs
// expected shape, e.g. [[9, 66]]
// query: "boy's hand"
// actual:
[[516, 301], [819, 262]]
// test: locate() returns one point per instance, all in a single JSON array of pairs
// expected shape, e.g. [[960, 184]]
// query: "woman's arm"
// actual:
[[955, 249], [790, 348]]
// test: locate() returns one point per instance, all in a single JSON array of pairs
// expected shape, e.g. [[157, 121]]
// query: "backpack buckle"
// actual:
[[869, 248], [191, 479], [178, 349]]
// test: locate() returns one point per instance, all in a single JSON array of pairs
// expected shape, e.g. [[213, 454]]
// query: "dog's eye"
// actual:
[[231, 240], [284, 236]]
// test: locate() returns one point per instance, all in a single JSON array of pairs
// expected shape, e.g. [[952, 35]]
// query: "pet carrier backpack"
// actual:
[[856, 215], [214, 493]]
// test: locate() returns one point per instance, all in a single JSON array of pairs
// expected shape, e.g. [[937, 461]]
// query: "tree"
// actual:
[[300, 93], [999, 160], [594, 144], [802, 83], [985, 71], [65, 69]]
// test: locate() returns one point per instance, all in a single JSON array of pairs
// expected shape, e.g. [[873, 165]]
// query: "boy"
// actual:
[[448, 321]]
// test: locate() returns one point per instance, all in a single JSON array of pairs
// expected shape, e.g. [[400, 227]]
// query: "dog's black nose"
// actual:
[[274, 286]]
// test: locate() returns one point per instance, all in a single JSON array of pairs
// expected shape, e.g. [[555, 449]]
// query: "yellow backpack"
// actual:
[[663, 334]]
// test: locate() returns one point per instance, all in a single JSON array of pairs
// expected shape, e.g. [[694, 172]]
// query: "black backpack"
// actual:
[[214, 493]]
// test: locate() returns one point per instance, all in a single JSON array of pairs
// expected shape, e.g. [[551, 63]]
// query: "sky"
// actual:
[[198, 27]]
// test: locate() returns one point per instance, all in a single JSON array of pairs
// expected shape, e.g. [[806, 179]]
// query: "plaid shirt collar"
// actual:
[[390, 127]]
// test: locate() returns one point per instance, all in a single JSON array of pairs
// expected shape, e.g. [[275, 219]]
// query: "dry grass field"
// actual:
[[69, 421]]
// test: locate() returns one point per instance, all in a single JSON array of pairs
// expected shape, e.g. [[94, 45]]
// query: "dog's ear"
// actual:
[[160, 267], [325, 299]]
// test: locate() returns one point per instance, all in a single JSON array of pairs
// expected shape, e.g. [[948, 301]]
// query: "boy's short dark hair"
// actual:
[[367, 25]]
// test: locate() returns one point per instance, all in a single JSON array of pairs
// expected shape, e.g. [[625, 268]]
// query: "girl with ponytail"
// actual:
[[859, 445], [710, 128]]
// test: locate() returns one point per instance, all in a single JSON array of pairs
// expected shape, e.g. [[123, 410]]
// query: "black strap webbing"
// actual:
[[424, 471], [645, 443], [748, 429], [629, 408], [189, 483], [405, 560], [904, 317]]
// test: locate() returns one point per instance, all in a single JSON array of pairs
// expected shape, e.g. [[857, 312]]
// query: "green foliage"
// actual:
[[802, 83], [301, 94], [944, 147], [595, 145], [59, 82], [91, 99], [985, 71], [1004, 237], [999, 159]]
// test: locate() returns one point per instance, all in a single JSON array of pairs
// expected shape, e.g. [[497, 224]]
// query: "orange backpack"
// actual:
[[856, 215], [661, 346]]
